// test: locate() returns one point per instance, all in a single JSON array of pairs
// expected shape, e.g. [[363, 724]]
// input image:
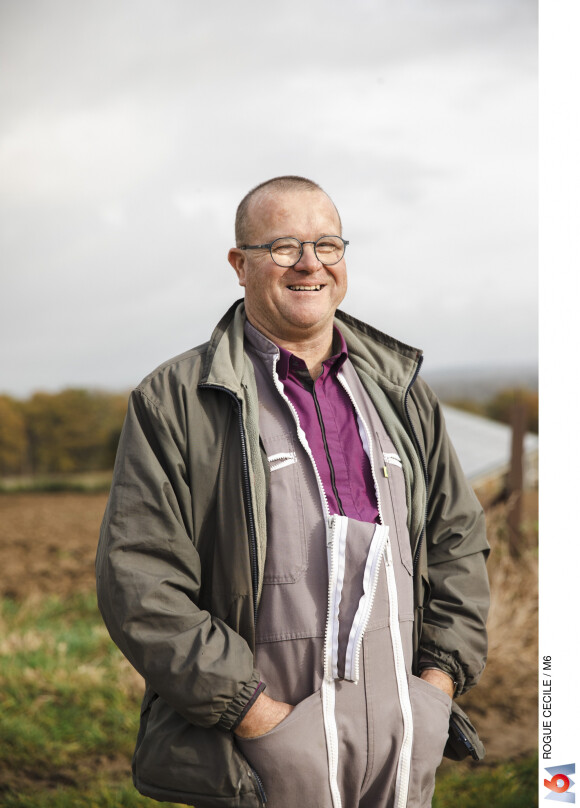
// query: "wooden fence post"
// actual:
[[515, 482]]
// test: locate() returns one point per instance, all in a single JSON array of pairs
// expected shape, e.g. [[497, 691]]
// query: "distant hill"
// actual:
[[479, 384]]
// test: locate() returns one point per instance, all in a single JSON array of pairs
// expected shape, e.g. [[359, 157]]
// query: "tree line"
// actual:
[[70, 431], [78, 430]]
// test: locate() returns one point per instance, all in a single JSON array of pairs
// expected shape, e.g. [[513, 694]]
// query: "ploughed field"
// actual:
[[48, 543], [47, 549]]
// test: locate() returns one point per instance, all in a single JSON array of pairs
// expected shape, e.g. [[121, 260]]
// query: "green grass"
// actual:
[[95, 795], [65, 692], [69, 707], [506, 785]]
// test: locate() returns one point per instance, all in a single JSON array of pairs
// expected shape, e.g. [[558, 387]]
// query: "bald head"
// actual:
[[259, 196]]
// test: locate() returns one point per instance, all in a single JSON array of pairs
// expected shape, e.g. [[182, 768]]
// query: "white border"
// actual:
[[559, 379]]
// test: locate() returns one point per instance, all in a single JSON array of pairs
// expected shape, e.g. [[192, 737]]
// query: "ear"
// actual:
[[237, 259]]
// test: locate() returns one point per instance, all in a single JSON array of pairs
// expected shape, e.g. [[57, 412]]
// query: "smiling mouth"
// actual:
[[300, 288]]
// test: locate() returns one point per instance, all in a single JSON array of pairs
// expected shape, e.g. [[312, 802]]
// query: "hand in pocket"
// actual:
[[264, 715]]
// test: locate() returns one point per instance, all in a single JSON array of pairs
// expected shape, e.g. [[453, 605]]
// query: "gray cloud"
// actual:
[[132, 129]]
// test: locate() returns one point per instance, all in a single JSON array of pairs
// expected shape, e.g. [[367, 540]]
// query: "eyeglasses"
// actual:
[[287, 251]]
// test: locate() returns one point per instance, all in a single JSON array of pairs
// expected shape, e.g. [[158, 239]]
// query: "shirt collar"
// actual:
[[258, 341], [288, 361]]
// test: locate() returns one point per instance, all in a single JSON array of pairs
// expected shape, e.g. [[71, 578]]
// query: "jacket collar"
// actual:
[[388, 361], [224, 363]]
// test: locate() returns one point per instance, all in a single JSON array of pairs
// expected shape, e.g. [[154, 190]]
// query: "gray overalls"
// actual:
[[334, 630]]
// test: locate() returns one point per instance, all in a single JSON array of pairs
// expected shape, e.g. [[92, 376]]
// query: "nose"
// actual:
[[308, 262]]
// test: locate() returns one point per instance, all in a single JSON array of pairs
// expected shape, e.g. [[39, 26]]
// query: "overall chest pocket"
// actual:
[[396, 514], [287, 552]]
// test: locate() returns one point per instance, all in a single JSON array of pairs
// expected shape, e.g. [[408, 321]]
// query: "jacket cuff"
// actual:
[[435, 658], [239, 705], [260, 689]]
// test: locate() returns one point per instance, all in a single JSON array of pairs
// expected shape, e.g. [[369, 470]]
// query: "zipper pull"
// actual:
[[388, 553], [382, 454], [331, 522]]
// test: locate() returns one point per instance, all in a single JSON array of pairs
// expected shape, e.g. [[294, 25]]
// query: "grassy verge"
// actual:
[[69, 706], [86, 482]]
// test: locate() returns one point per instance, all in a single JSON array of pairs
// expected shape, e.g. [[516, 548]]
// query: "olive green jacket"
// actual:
[[183, 541]]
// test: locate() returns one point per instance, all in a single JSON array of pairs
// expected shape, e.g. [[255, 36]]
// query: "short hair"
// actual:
[[288, 182]]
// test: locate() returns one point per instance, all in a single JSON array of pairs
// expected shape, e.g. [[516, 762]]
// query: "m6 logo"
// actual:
[[560, 783]]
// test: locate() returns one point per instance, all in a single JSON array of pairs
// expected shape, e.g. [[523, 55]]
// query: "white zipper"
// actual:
[[331, 731], [370, 583], [404, 763], [345, 384], [336, 548]]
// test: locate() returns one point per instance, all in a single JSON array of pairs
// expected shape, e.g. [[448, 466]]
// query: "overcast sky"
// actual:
[[130, 130]]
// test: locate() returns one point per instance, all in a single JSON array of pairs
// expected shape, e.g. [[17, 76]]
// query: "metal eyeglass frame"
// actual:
[[302, 243]]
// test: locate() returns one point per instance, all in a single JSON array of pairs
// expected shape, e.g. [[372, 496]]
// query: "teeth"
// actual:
[[305, 288]]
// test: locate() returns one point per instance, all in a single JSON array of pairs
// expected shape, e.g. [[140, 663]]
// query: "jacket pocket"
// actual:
[[431, 708], [287, 554], [280, 460], [396, 483], [291, 758], [179, 762], [399, 533]]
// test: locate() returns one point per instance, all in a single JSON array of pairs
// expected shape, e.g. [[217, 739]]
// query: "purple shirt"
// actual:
[[342, 462]]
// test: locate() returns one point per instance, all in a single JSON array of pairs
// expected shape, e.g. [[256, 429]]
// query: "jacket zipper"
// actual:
[[260, 785], [463, 738], [423, 464], [247, 495], [252, 536]]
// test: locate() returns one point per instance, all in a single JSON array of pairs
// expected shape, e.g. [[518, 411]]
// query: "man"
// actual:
[[291, 556]]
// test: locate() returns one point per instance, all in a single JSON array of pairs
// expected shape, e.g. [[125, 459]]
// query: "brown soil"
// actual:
[[48, 544]]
